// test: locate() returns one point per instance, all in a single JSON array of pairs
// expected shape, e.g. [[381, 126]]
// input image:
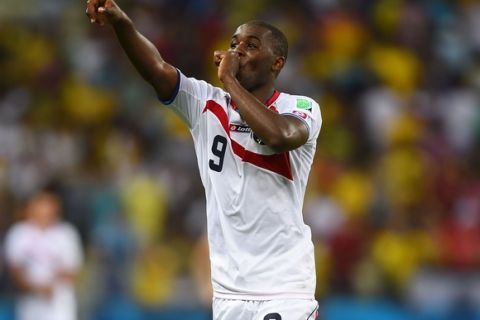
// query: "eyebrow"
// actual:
[[234, 37]]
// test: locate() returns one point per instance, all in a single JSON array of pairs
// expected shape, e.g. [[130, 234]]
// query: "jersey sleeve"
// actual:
[[72, 255], [308, 111], [13, 251], [189, 98]]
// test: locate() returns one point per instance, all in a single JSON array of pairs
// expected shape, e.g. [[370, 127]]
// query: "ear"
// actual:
[[278, 64]]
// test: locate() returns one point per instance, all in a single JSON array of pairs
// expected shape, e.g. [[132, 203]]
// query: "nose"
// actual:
[[240, 49]]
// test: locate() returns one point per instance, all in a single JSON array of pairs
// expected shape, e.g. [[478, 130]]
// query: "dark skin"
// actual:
[[247, 70]]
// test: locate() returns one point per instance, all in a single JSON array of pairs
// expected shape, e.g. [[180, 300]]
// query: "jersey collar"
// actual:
[[273, 98], [268, 103]]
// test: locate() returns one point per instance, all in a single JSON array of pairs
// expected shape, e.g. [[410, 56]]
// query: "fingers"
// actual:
[[217, 57], [90, 11], [219, 54], [94, 11], [104, 12]]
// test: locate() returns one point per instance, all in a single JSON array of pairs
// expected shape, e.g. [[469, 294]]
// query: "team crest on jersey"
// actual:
[[304, 104], [257, 139]]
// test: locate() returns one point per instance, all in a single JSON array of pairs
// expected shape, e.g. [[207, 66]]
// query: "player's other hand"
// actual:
[[228, 63], [44, 290], [104, 11]]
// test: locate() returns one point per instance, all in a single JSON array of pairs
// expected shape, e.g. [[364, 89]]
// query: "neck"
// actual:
[[42, 224], [264, 93]]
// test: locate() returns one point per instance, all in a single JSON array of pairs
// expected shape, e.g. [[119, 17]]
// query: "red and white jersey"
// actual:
[[260, 247]]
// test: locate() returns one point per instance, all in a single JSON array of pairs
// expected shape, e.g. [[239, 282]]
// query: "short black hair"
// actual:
[[280, 42]]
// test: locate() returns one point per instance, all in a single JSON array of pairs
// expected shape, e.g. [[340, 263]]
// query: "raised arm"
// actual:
[[141, 52]]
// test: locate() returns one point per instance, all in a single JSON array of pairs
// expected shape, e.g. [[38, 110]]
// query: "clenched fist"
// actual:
[[104, 11], [228, 63]]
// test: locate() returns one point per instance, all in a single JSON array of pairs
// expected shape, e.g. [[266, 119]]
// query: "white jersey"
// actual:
[[41, 253], [260, 248]]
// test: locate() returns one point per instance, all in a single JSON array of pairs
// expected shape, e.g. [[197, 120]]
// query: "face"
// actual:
[[43, 209], [257, 58]]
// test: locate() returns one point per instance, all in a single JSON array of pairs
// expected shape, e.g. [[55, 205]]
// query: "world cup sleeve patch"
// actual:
[[304, 104]]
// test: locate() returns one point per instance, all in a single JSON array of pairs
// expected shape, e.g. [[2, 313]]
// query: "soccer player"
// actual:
[[254, 147], [44, 257]]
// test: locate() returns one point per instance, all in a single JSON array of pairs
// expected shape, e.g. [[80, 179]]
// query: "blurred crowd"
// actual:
[[394, 195]]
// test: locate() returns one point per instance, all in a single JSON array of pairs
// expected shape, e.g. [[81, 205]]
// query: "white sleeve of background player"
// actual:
[[13, 243], [189, 98], [72, 257], [308, 111]]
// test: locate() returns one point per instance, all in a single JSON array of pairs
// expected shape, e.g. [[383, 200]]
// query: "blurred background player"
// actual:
[[44, 257]]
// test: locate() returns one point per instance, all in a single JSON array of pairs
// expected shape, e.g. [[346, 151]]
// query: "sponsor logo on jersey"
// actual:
[[240, 128], [304, 104]]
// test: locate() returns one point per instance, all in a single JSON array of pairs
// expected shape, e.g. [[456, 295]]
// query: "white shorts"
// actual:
[[290, 309]]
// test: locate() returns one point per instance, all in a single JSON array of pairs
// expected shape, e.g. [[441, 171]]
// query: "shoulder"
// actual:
[[66, 234], [297, 103], [191, 94], [65, 228], [304, 102], [195, 86], [18, 229], [17, 235]]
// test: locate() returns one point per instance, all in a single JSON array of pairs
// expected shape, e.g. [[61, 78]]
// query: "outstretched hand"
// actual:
[[104, 11], [228, 63]]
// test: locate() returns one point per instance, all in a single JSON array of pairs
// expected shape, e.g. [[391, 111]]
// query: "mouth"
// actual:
[[239, 72]]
